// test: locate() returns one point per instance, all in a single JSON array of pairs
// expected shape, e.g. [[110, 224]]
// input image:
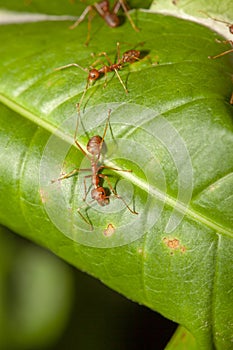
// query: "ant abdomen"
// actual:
[[112, 20], [130, 56]]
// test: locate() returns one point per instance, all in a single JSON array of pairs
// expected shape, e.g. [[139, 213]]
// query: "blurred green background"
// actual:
[[47, 304]]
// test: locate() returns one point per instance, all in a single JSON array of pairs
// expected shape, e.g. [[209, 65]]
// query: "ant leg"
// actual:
[[121, 81], [86, 220], [225, 41], [117, 6], [81, 18], [75, 134], [105, 177], [225, 52], [72, 65], [83, 217], [78, 105], [103, 137], [77, 124], [214, 19], [85, 187], [221, 54], [88, 29], [115, 169], [131, 210], [122, 3], [104, 133], [105, 80], [118, 52], [87, 84], [99, 61], [70, 174], [231, 100]]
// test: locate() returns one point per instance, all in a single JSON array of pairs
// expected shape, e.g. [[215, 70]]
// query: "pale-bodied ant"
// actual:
[[230, 26], [109, 15], [129, 56], [100, 194]]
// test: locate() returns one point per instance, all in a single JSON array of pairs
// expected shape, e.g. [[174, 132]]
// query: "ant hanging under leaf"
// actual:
[[110, 16], [129, 56], [100, 194]]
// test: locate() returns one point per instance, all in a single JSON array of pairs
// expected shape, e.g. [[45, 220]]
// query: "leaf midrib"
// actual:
[[185, 209]]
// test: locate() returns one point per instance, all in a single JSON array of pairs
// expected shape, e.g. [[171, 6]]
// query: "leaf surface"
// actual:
[[173, 129], [64, 7]]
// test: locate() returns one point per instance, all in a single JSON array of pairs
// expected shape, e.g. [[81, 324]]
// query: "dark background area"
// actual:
[[103, 319]]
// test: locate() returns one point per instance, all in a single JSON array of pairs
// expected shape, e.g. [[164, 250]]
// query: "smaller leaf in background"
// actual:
[[36, 294], [63, 7], [198, 9], [182, 340], [225, 52]]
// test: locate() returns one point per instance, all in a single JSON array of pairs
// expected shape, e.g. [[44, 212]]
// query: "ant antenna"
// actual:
[[218, 20]]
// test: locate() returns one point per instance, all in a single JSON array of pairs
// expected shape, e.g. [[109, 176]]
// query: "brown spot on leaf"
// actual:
[[174, 244], [109, 230], [43, 195]]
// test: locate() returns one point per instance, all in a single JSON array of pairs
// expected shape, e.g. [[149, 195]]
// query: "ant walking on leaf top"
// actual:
[[129, 56], [100, 194], [109, 15]]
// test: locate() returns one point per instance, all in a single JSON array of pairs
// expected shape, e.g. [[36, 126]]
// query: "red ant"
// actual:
[[109, 15], [129, 56], [94, 149]]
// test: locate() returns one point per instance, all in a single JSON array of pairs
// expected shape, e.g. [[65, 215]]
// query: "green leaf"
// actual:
[[31, 316], [181, 340], [218, 7], [173, 129], [64, 8]]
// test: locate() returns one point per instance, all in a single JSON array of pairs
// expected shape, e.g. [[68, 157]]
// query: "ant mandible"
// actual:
[[129, 56], [109, 15], [99, 193]]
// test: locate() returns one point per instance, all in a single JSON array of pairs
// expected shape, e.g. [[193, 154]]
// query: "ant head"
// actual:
[[231, 28], [93, 75], [99, 195], [95, 145]]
